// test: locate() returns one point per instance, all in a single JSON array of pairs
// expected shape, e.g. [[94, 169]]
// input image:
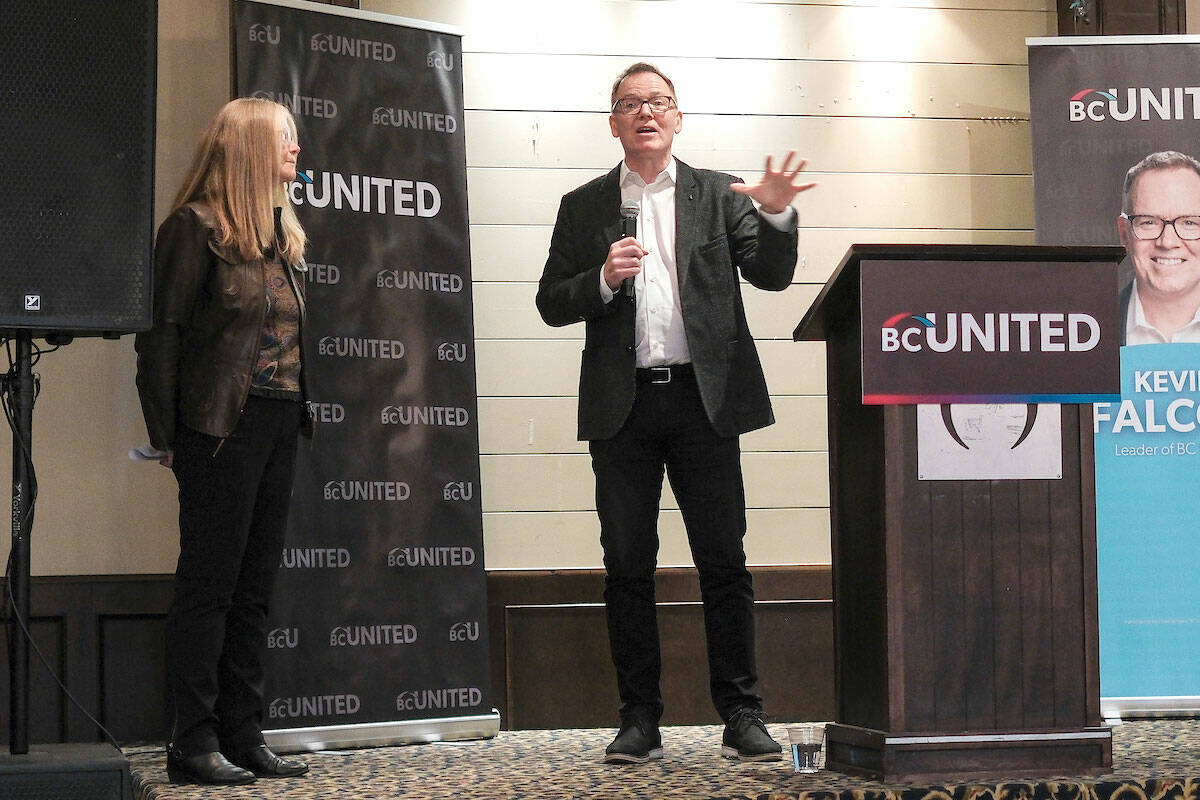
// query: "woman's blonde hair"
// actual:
[[235, 171]]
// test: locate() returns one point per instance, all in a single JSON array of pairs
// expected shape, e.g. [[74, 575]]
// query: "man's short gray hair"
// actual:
[[1164, 159], [634, 69]]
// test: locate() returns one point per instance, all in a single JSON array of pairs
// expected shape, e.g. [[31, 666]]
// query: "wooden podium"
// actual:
[[965, 611]]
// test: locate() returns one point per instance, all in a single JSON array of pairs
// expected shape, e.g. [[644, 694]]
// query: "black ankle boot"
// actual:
[[208, 768], [265, 764]]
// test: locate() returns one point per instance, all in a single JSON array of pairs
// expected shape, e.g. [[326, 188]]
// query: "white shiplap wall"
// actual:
[[913, 117], [888, 101]]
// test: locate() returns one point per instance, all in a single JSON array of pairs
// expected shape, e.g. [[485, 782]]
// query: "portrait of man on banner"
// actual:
[[1159, 226]]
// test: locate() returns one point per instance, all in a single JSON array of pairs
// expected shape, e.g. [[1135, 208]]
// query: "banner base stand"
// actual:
[[1117, 708], [383, 734]]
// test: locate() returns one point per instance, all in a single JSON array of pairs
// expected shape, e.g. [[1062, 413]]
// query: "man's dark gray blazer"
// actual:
[[717, 233]]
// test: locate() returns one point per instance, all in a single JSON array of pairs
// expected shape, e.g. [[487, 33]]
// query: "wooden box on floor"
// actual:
[[965, 612]]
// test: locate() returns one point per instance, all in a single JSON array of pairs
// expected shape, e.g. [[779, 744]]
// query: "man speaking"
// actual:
[[648, 256]]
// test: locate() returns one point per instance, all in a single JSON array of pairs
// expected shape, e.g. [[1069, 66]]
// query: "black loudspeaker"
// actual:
[[66, 772], [77, 89]]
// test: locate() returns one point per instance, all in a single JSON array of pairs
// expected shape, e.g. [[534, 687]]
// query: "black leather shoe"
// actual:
[[746, 738], [211, 768], [637, 742], [265, 764]]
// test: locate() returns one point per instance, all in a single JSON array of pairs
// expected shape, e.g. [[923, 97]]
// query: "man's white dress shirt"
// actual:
[[658, 332]]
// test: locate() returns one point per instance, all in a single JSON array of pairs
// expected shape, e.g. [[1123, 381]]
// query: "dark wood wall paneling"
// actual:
[[550, 663], [102, 635], [1120, 17], [550, 659]]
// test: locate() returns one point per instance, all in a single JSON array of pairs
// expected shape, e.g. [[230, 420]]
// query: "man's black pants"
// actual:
[[233, 505], [668, 429]]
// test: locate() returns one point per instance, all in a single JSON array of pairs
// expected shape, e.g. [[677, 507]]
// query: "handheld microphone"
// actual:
[[629, 215]]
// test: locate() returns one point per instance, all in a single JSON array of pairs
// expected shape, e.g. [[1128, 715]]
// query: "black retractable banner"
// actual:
[[1098, 106], [379, 618]]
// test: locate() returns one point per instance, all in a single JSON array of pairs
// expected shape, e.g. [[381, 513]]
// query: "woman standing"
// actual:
[[220, 382]]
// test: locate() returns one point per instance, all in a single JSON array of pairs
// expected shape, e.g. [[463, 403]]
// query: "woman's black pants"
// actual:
[[233, 507]]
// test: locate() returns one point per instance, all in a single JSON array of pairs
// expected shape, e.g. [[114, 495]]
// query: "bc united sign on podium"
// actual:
[[949, 331]]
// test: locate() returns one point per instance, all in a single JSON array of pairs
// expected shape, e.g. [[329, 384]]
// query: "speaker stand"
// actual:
[[61, 771], [21, 403]]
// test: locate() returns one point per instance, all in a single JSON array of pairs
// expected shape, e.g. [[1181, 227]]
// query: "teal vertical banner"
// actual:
[[1148, 524]]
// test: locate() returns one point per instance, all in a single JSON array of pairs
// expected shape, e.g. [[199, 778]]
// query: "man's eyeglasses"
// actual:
[[1148, 226], [633, 105]]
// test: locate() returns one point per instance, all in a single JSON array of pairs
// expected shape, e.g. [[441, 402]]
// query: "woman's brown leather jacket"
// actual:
[[194, 366]]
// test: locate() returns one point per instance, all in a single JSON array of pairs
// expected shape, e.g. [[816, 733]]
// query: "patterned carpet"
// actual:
[[1157, 760]]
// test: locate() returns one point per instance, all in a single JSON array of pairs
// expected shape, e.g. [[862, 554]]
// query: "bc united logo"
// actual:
[[919, 323], [893, 322]]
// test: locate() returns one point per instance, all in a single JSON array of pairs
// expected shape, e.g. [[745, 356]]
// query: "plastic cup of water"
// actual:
[[805, 741]]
